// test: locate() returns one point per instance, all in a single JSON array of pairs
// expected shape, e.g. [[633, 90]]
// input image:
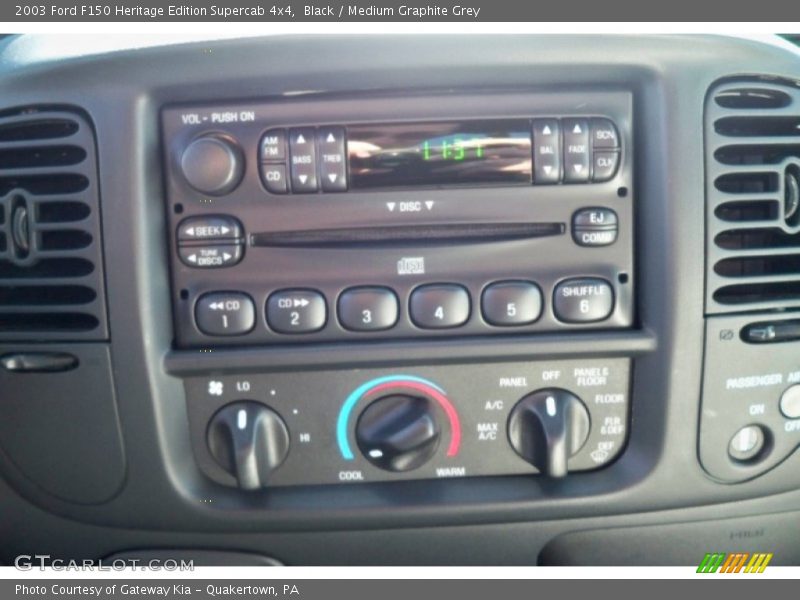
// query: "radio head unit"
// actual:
[[325, 219]]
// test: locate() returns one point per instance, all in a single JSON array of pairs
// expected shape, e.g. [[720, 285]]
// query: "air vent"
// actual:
[[51, 276], [753, 196]]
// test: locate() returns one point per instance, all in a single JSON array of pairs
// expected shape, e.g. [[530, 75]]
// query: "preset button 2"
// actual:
[[296, 311]]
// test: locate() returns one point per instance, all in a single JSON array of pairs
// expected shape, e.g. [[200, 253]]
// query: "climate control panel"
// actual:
[[548, 418]]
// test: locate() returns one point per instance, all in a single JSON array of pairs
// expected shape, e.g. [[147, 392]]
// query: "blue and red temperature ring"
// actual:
[[382, 384]]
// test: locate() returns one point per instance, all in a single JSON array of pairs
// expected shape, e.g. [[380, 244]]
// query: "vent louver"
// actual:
[[753, 196], [51, 275]]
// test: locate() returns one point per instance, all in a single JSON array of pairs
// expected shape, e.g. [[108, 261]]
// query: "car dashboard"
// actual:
[[514, 300]]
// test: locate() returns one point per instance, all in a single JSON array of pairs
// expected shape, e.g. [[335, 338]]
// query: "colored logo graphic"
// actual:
[[735, 562]]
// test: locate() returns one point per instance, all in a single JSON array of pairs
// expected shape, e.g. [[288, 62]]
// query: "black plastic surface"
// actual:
[[60, 430]]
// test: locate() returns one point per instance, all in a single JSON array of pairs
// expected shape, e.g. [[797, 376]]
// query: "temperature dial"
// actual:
[[547, 427], [398, 432], [249, 440]]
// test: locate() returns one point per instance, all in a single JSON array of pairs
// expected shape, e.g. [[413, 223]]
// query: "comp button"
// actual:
[[583, 300]]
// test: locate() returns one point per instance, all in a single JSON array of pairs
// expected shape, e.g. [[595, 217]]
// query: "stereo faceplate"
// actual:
[[312, 248], [470, 406]]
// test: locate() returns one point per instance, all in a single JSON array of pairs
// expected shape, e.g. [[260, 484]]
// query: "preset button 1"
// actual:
[[225, 313]]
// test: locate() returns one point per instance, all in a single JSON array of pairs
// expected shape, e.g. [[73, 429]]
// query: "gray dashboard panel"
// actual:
[[658, 480]]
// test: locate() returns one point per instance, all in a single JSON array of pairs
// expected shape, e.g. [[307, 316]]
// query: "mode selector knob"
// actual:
[[547, 427], [213, 164], [398, 432], [249, 440]]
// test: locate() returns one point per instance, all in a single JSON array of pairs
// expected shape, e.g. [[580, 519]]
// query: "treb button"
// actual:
[[332, 159]]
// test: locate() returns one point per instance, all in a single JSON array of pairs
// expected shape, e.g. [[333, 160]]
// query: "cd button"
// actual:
[[333, 159], [439, 306], [368, 309], [583, 300], [296, 311], [576, 150], [225, 313], [511, 303], [303, 160], [274, 178]]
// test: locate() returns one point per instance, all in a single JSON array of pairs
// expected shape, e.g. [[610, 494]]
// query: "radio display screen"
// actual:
[[443, 153]]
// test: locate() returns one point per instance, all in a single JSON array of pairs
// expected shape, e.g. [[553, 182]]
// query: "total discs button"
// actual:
[[583, 300]]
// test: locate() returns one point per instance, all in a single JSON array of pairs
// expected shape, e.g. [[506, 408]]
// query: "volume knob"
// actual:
[[213, 164], [398, 432]]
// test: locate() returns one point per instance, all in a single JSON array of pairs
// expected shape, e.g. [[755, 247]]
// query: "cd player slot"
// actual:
[[399, 235]]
